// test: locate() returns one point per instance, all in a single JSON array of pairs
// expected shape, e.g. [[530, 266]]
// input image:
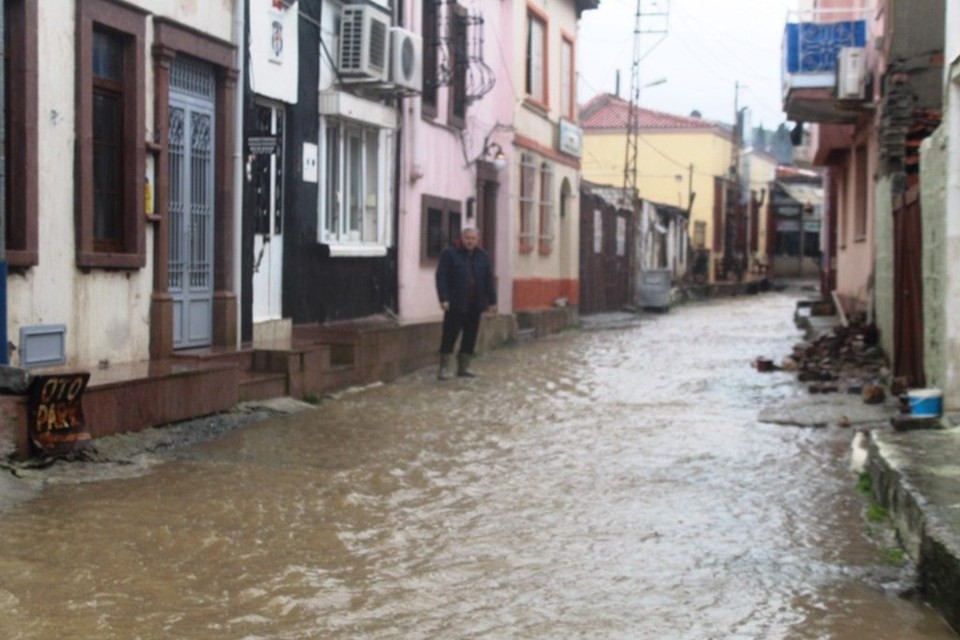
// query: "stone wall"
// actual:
[[933, 205]]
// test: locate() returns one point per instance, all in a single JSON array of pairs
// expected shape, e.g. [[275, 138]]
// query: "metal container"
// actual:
[[654, 289]]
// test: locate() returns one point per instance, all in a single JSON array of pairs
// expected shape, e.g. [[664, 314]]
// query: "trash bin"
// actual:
[[655, 285]]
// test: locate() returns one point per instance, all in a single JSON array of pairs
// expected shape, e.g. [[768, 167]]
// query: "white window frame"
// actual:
[[566, 79], [546, 220], [528, 201], [537, 58], [343, 240]]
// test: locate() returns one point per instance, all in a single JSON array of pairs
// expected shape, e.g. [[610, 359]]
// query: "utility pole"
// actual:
[[733, 188], [658, 12], [4, 350]]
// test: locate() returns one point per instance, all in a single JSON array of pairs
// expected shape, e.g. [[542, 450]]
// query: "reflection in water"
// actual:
[[613, 484]]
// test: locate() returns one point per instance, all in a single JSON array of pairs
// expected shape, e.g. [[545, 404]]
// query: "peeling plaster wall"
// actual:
[[883, 264], [933, 205]]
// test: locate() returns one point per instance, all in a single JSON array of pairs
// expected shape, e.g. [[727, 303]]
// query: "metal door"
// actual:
[[191, 145]]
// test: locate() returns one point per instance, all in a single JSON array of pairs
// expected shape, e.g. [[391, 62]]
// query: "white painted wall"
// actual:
[[952, 241]]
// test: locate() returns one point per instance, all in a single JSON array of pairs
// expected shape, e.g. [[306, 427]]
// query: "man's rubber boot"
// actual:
[[444, 372], [463, 366]]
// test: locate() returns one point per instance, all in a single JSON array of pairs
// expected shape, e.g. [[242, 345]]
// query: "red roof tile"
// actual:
[[607, 111]]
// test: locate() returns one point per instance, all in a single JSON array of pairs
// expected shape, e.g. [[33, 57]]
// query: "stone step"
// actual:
[[262, 386]]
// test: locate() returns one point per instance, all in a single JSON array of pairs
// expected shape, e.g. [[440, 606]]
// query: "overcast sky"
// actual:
[[709, 46]]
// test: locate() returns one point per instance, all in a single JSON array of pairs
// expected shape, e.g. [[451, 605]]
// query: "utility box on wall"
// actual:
[[43, 346]]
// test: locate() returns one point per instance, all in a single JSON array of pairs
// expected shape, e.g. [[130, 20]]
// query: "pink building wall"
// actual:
[[437, 160], [836, 146]]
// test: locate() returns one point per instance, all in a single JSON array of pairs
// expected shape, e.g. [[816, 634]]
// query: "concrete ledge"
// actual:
[[545, 322], [916, 476]]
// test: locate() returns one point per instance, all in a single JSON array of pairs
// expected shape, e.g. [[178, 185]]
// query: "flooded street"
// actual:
[[605, 484]]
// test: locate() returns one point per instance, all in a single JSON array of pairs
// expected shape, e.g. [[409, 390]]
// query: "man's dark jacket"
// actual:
[[452, 278]]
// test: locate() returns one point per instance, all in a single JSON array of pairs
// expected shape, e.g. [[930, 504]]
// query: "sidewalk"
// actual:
[[916, 476]]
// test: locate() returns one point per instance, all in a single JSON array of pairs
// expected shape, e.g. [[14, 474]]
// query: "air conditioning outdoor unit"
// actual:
[[406, 59], [852, 73], [364, 44]]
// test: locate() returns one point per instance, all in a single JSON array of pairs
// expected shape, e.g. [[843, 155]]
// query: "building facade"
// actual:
[[683, 162], [100, 270], [545, 168], [455, 146]]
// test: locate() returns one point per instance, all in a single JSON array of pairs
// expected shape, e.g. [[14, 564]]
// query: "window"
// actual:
[[567, 76], [108, 169], [621, 236], [536, 72], [431, 37], [597, 231], [442, 220], [546, 208], [110, 122], [355, 210], [700, 235], [861, 189], [528, 201], [20, 117], [458, 85]]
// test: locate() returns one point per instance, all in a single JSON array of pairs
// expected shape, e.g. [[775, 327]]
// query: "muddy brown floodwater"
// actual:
[[609, 484]]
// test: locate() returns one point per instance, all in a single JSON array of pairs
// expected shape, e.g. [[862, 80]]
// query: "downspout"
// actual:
[[397, 181], [239, 37], [4, 350]]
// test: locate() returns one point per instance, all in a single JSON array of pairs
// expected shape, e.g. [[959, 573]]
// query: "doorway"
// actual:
[[191, 205]]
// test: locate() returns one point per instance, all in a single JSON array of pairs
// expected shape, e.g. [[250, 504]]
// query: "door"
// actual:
[[267, 178], [191, 147], [908, 346]]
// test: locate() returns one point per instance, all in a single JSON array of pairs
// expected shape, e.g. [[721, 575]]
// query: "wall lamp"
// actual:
[[494, 151]]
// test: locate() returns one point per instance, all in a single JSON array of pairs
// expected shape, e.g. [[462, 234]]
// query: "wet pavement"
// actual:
[[603, 484]]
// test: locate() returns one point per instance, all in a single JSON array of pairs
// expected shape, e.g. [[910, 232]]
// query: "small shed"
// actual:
[[607, 258]]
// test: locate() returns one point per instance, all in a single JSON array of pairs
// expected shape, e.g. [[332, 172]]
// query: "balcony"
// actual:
[[820, 47]]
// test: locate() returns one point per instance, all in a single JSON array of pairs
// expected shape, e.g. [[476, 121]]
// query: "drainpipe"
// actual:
[[239, 38], [4, 350]]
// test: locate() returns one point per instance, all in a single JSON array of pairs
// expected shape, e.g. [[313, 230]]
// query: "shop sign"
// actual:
[[56, 425]]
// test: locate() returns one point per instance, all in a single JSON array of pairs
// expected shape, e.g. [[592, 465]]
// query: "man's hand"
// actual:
[[445, 306]]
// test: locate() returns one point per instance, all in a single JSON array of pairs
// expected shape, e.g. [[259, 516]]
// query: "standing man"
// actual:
[[465, 288]]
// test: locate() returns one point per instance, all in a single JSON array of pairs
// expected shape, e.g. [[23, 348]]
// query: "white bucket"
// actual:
[[925, 403]]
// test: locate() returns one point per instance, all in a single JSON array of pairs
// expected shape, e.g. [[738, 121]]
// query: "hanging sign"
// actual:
[[56, 424]]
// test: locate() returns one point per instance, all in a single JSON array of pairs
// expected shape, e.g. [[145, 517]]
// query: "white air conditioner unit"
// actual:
[[364, 44], [406, 59], [852, 73]]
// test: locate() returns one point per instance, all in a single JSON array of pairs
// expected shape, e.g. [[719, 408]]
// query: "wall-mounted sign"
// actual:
[[274, 48], [571, 139], [262, 145], [276, 37], [55, 413], [310, 164]]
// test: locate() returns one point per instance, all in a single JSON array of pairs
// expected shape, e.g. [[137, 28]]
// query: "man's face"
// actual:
[[469, 239]]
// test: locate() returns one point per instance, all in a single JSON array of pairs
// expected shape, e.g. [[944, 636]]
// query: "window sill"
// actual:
[[860, 239], [537, 107], [357, 251], [95, 260]]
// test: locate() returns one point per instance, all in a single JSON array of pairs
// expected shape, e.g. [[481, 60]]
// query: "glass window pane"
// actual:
[[371, 185], [434, 232], [107, 166], [354, 166], [333, 180], [107, 56]]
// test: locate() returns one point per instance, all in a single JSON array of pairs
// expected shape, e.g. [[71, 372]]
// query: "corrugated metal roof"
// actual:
[[607, 111], [805, 194]]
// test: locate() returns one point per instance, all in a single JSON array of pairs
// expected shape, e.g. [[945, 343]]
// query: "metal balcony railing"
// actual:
[[813, 39]]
